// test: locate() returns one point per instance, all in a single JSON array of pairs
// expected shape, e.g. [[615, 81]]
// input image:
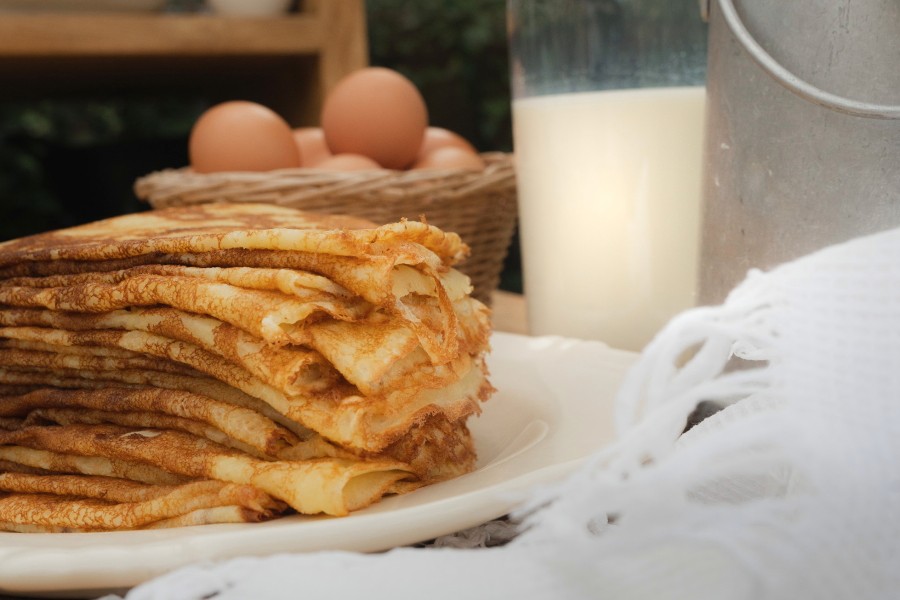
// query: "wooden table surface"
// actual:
[[508, 312]]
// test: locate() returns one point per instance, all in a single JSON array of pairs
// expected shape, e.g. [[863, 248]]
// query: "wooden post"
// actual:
[[344, 38]]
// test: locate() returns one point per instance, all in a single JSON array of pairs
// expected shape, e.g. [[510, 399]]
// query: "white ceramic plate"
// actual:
[[552, 409]]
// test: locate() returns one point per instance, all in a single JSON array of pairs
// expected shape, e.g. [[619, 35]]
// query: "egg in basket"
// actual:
[[374, 156]]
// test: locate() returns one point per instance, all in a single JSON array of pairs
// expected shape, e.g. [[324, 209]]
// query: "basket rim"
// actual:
[[179, 184], [494, 161]]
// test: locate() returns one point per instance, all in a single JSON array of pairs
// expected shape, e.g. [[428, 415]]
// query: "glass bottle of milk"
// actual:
[[608, 106]]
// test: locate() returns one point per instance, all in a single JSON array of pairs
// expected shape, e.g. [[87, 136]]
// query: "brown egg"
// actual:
[[438, 137], [378, 113], [241, 136], [347, 162], [313, 149], [450, 157]]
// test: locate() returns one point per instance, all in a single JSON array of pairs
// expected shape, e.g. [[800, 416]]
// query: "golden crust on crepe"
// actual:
[[340, 414], [204, 516], [367, 353], [330, 486], [201, 494], [211, 516], [139, 420], [220, 422], [375, 278], [195, 383], [268, 315], [8, 466], [374, 263], [81, 350], [299, 284], [10, 423], [60, 462], [86, 503], [293, 369], [384, 430], [79, 361], [381, 354], [320, 361], [435, 450], [208, 227], [273, 316]]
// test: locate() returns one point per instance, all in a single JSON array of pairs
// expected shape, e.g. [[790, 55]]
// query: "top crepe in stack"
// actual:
[[222, 362]]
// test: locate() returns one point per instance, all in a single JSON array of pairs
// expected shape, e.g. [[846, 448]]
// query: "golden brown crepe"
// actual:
[[10, 423], [223, 423], [85, 503], [72, 510], [373, 261], [376, 354], [59, 462], [436, 450], [332, 486], [339, 413], [203, 228], [320, 361]]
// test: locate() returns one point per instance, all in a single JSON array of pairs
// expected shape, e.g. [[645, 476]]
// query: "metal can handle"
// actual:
[[787, 79]]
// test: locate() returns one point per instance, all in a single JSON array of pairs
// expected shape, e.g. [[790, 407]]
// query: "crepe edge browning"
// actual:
[[434, 449], [224, 226], [341, 483], [326, 485]]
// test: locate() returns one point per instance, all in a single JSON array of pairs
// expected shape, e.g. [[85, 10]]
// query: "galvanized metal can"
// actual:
[[802, 142]]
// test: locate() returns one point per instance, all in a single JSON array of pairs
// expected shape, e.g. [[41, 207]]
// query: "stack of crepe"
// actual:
[[222, 363]]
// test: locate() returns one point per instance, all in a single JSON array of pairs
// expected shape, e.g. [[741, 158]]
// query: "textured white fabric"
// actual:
[[793, 491]]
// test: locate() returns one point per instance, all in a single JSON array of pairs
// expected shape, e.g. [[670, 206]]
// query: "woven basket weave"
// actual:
[[480, 206]]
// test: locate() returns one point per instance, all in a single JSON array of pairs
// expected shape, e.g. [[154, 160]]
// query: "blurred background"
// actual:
[[69, 158]]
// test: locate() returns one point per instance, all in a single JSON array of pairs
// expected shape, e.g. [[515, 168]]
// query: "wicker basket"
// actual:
[[480, 207]]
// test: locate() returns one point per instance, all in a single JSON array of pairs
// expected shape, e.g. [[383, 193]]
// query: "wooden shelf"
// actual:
[[152, 34], [288, 63]]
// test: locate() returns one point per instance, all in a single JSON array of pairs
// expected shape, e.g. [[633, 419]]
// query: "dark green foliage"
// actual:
[[64, 162]]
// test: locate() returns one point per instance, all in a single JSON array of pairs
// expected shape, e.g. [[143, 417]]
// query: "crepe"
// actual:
[[365, 353], [86, 503], [340, 414], [331, 486], [72, 509], [365, 261], [10, 423], [435, 450], [221, 422], [321, 361], [268, 315], [60, 462], [203, 228]]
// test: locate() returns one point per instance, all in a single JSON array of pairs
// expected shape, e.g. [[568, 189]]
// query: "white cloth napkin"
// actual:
[[792, 491]]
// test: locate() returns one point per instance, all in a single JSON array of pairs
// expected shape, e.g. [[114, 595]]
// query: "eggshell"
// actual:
[[378, 113], [450, 157], [311, 142], [438, 137], [347, 162], [241, 136]]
